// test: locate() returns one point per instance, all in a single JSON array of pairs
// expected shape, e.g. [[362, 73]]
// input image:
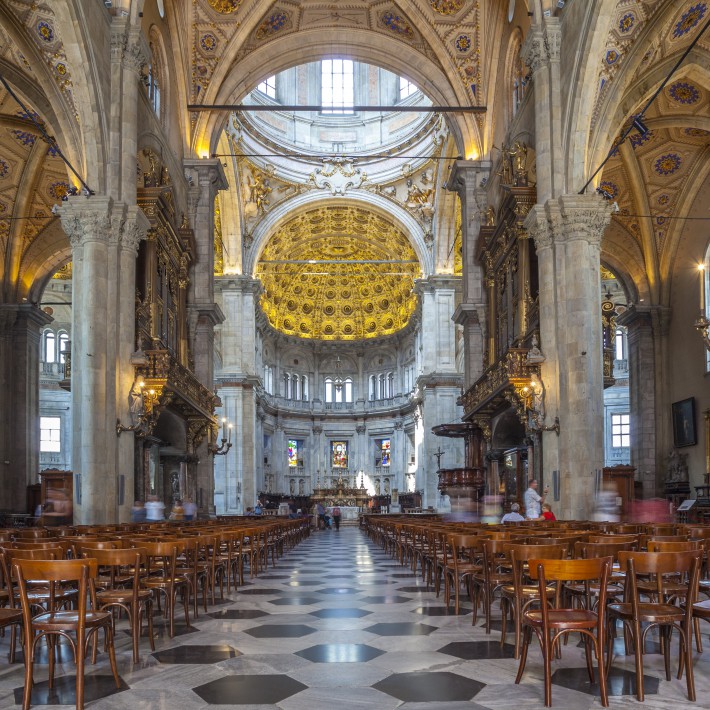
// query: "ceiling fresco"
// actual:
[[338, 273]]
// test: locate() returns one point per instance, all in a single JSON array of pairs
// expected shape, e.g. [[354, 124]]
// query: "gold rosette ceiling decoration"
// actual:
[[338, 273]]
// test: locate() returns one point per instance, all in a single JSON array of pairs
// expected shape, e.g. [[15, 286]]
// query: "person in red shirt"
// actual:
[[547, 513]]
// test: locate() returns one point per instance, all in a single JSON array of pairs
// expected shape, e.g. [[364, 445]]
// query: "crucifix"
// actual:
[[438, 453]]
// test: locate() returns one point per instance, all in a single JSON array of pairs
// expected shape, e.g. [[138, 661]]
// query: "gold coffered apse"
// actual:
[[338, 273]]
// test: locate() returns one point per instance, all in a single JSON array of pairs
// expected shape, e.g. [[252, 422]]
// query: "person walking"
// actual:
[[320, 511], [336, 517]]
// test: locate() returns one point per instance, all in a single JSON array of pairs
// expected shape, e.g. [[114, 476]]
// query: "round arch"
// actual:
[[361, 45], [378, 204]]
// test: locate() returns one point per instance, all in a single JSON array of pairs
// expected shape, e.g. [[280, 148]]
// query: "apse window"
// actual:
[[337, 86], [406, 88], [620, 431], [50, 440], [268, 87]]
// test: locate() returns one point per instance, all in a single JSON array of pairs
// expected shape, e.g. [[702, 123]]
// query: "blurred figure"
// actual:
[[606, 508], [178, 512], [653, 510], [492, 509], [138, 512], [154, 509], [190, 509], [514, 515]]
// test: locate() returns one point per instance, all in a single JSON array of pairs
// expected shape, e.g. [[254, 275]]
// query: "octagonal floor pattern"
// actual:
[[339, 624]]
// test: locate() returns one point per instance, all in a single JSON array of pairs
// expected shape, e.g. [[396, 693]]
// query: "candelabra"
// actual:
[[226, 442], [144, 410]]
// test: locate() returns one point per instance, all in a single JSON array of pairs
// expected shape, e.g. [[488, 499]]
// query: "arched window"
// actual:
[[287, 385], [304, 388], [63, 346], [152, 81], [329, 389], [619, 344], [406, 88], [347, 390], [268, 379], [373, 387], [390, 385], [50, 346]]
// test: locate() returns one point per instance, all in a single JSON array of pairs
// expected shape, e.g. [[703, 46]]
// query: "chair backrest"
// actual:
[[674, 546], [684, 566], [521, 554], [115, 559], [589, 550], [53, 572], [596, 569], [49, 552]]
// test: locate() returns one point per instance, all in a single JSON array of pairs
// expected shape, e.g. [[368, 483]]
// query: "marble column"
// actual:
[[567, 233], [20, 332], [645, 327], [205, 177], [468, 178]]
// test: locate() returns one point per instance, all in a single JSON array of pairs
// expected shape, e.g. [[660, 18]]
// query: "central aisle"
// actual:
[[340, 625]]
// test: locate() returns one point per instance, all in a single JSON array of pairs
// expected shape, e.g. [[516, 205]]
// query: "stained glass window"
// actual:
[[292, 452], [385, 450], [339, 454]]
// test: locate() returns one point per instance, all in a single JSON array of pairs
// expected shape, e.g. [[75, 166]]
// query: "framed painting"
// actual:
[[684, 423]]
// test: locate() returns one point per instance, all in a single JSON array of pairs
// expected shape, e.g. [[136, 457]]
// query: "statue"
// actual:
[[301, 485], [490, 217], [292, 486], [506, 167], [387, 486], [259, 190], [534, 355], [377, 486], [677, 467], [416, 197], [519, 161]]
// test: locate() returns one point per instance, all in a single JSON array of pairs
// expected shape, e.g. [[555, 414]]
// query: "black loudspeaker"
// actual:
[[121, 488], [77, 488]]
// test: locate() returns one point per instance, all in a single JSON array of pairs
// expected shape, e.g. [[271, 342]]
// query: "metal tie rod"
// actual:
[[338, 110]]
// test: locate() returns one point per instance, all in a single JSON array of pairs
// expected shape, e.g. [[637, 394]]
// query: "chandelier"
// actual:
[[338, 380]]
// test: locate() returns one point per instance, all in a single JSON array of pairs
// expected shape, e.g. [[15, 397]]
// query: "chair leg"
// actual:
[[108, 631], [603, 690], [50, 653], [686, 640], [523, 653], [149, 614], [29, 666], [638, 653], [80, 662]]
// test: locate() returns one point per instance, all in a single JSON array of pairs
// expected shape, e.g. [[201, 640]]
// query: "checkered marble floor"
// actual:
[[339, 624]]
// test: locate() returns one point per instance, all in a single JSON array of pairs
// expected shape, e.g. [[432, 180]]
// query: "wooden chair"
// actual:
[[126, 568], [550, 624], [520, 594], [77, 626], [633, 611], [162, 558], [495, 573], [460, 564]]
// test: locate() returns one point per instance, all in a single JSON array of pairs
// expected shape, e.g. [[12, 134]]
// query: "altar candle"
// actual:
[[224, 427], [230, 434]]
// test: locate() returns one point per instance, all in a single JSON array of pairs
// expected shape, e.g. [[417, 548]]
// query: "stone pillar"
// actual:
[[647, 448], [88, 225], [438, 298], [398, 464], [468, 178], [542, 54], [567, 234], [206, 178], [20, 333]]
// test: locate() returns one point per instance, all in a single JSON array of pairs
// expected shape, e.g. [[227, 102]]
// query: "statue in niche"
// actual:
[[677, 467], [387, 486], [377, 486], [301, 487], [292, 486], [175, 484]]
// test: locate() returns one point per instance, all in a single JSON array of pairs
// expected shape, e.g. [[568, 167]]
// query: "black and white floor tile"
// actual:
[[339, 624]]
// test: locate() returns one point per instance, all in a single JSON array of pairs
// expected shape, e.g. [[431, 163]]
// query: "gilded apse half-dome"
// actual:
[[338, 273]]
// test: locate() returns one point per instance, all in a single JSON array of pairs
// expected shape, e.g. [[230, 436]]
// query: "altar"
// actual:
[[343, 495], [348, 513]]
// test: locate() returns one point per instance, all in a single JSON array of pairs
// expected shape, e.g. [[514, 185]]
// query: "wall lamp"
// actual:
[[533, 394], [226, 442], [144, 412]]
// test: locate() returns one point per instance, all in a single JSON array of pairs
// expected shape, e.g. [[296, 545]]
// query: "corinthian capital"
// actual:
[[533, 51], [538, 226], [86, 220], [585, 217]]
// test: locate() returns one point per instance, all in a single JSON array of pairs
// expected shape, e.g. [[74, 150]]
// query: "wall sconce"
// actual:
[[144, 411], [226, 442], [702, 325], [533, 394]]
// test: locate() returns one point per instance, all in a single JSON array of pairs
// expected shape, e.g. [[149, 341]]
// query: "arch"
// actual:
[[362, 45], [288, 209], [44, 257]]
